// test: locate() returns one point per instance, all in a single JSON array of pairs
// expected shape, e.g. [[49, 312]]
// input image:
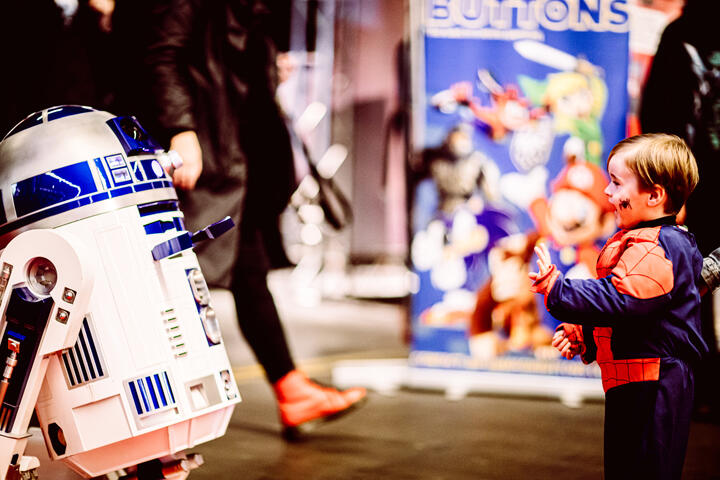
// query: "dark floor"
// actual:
[[411, 434], [421, 435]]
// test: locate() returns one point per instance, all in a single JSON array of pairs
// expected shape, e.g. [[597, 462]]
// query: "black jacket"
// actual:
[[210, 65], [674, 102]]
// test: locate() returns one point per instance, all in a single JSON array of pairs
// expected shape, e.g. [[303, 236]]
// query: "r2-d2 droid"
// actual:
[[107, 329]]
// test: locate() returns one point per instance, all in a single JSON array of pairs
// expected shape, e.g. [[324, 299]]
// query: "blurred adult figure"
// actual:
[[54, 53], [682, 97], [206, 89]]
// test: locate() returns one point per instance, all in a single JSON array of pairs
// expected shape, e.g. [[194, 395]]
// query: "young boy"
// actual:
[[640, 319]]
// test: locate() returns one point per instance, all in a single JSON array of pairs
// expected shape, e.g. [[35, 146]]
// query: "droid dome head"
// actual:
[[67, 163]]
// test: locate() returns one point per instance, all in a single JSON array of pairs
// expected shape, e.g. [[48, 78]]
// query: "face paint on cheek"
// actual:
[[625, 203]]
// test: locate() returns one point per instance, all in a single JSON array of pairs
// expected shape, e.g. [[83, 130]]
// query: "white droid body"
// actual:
[[107, 328]]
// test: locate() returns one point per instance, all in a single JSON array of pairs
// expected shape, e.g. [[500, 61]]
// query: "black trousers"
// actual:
[[257, 316]]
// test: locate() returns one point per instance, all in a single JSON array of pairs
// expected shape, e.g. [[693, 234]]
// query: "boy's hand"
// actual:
[[543, 262], [546, 275], [563, 344], [568, 340]]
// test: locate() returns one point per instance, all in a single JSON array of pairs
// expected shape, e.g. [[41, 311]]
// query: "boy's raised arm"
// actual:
[[637, 286]]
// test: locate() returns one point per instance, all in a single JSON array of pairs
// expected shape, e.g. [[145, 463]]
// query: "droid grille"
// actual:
[[151, 393], [83, 363]]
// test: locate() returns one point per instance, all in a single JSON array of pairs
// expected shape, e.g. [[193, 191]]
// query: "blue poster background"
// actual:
[[466, 81]]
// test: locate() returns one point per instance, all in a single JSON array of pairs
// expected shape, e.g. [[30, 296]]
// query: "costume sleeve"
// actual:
[[167, 62], [590, 353], [638, 286]]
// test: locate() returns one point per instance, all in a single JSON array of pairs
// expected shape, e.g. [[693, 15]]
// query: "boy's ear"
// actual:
[[657, 196]]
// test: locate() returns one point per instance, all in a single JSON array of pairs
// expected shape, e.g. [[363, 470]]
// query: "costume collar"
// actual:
[[669, 220]]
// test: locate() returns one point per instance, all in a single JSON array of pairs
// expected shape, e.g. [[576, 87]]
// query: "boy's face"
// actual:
[[623, 191]]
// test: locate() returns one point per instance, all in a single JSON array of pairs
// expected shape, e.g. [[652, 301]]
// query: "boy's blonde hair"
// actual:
[[661, 159]]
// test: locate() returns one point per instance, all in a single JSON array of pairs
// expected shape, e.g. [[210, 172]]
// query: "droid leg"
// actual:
[[45, 285], [175, 468]]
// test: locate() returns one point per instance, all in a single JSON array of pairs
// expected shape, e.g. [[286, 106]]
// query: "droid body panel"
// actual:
[[135, 368]]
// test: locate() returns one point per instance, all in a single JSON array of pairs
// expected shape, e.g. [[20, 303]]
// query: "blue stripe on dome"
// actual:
[[103, 173], [152, 168], [52, 114], [71, 205], [135, 167], [100, 196], [66, 110], [119, 192], [51, 188]]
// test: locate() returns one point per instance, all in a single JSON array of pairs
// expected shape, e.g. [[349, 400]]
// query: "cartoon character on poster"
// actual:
[[575, 96], [465, 218], [573, 221], [506, 111], [532, 91], [497, 309], [507, 117], [506, 318]]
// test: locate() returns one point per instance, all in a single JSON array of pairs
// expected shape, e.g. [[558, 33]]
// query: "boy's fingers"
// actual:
[[542, 266], [545, 253], [543, 256], [538, 252]]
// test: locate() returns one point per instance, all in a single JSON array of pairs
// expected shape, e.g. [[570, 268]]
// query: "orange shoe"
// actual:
[[304, 404]]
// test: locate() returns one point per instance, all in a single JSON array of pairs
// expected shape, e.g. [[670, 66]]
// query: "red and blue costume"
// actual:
[[640, 320]]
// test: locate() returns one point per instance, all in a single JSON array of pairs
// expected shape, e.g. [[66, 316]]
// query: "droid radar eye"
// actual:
[[132, 129], [41, 276], [133, 138]]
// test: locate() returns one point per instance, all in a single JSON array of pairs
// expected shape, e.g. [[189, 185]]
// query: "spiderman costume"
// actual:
[[640, 320]]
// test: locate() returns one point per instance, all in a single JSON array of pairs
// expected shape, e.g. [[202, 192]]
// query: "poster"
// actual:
[[523, 99]]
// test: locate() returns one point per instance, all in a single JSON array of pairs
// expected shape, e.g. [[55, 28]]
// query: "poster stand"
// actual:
[[388, 376]]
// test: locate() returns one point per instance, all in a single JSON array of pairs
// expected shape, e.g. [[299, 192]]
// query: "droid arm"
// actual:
[[45, 286], [186, 240]]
